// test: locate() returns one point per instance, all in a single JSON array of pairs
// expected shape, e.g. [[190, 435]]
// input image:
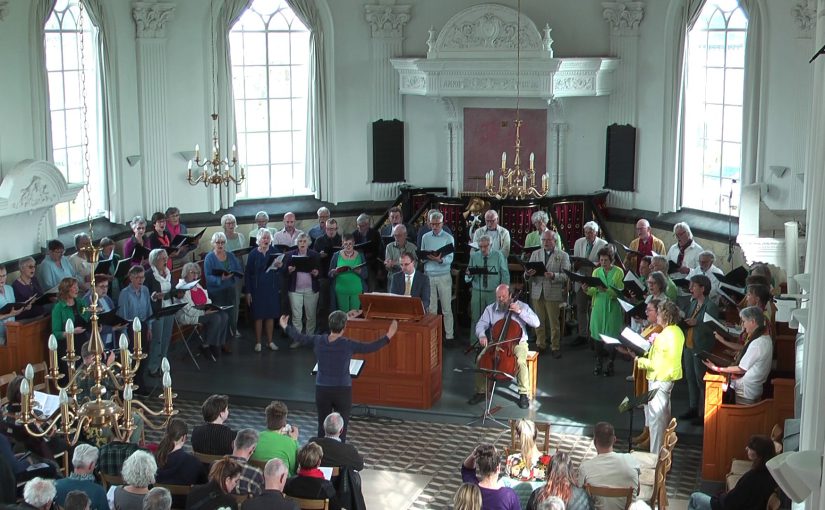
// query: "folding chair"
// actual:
[[185, 332]]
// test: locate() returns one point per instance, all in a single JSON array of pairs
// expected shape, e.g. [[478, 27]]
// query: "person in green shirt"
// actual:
[[280, 439]]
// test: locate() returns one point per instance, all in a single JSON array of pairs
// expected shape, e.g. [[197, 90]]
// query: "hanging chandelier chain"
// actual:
[[518, 61], [84, 112]]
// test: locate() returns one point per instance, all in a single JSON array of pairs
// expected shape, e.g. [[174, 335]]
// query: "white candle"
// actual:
[[532, 160], [503, 161], [197, 152]]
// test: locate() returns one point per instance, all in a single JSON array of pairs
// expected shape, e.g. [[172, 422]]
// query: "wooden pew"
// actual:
[[26, 342], [728, 427]]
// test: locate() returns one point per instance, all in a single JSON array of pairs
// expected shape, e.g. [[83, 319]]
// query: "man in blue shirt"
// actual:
[[82, 479], [437, 269]]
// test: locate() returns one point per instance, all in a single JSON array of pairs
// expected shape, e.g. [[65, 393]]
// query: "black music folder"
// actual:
[[480, 270], [282, 248], [188, 239], [221, 272], [588, 280], [582, 262], [111, 318], [140, 253], [302, 263], [167, 310], [443, 251], [719, 361], [629, 403], [536, 266]]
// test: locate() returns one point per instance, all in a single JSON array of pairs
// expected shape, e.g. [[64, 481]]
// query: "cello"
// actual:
[[499, 357]]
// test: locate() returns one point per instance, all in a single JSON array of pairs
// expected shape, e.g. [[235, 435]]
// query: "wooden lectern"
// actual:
[[406, 373]]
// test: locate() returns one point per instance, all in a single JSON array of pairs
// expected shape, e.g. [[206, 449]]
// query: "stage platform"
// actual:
[[569, 396]]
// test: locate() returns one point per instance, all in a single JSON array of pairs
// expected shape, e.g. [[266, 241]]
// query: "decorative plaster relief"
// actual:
[[4, 9], [387, 20], [623, 16], [804, 15], [151, 19]]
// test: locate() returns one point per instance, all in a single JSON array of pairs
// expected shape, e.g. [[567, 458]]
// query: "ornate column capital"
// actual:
[[387, 21], [804, 16], [624, 16], [4, 9], [151, 18]]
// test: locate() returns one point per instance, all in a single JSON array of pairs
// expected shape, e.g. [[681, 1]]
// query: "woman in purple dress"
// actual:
[[263, 288]]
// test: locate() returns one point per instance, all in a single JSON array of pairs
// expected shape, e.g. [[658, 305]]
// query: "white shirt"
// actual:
[[711, 274], [610, 470], [757, 365], [691, 254]]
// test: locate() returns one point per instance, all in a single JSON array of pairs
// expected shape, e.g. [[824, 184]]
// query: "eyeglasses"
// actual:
[[220, 242]]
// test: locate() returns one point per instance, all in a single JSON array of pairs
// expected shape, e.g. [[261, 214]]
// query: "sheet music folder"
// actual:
[[355, 368], [392, 306]]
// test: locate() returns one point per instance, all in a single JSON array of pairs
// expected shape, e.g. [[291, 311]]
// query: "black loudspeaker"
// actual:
[[387, 151], [620, 158]]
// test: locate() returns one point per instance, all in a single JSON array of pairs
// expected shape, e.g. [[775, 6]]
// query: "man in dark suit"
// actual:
[[419, 285], [336, 453]]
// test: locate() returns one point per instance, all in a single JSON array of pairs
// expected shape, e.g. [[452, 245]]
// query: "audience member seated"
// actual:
[[217, 493], [82, 479], [81, 266], [114, 454], [608, 468], [749, 376], [21, 466], [280, 439], [6, 297], [524, 464], [215, 322], [336, 453], [481, 468], [77, 500], [213, 437], [272, 498], [467, 497], [158, 498], [38, 494], [754, 488], [27, 286], [252, 479], [55, 265], [310, 482], [560, 484], [176, 466], [138, 225], [45, 447], [138, 474], [69, 306]]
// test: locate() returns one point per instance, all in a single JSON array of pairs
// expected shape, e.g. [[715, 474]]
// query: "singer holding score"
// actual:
[[333, 383]]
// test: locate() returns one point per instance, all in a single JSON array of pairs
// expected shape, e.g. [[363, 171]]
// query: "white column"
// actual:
[[813, 406], [804, 14], [387, 27], [4, 9], [624, 18], [454, 137], [150, 22]]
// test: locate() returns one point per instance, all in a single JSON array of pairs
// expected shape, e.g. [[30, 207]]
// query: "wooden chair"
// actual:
[[611, 492], [110, 480], [175, 490], [40, 381], [241, 498], [542, 432], [649, 459], [260, 464], [311, 504], [206, 458], [5, 379]]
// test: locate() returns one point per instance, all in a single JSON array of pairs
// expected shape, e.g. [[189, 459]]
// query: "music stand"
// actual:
[[628, 405], [489, 392]]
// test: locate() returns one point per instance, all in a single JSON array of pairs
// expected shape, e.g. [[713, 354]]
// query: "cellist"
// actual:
[[523, 316]]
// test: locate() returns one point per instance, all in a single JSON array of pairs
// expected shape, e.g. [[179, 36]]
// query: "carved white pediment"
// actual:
[[488, 31], [28, 194]]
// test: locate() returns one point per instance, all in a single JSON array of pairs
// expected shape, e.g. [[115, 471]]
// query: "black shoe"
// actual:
[[609, 371], [523, 401], [597, 370], [690, 414], [475, 399], [541, 348], [556, 354]]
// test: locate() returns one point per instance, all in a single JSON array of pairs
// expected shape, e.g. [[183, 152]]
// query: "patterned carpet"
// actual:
[[437, 450]]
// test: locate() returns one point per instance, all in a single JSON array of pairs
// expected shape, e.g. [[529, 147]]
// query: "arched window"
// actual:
[[712, 130], [72, 52], [269, 48]]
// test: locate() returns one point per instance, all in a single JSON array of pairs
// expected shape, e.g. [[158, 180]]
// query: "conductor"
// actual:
[[333, 383], [523, 316]]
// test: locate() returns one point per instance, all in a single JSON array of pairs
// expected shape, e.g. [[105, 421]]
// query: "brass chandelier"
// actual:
[[515, 182], [115, 412]]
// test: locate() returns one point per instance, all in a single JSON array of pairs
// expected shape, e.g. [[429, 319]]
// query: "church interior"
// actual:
[[705, 113]]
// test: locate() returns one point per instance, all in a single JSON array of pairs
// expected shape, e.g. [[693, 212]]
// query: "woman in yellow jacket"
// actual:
[[664, 366]]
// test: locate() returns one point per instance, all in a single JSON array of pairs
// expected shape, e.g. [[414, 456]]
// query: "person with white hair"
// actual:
[[685, 251], [159, 282], [336, 453], [82, 478], [483, 291], [137, 244], [272, 498], [319, 229], [540, 221], [586, 247], [252, 479], [261, 220], [223, 270], [369, 244], [158, 498], [81, 266], [400, 246], [645, 243], [138, 473], [39, 493], [437, 269], [551, 503], [499, 236], [707, 267], [287, 235]]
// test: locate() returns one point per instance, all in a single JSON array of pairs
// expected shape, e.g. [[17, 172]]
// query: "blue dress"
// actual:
[[265, 287]]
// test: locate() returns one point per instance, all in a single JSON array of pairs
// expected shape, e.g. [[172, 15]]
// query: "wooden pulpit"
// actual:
[[26, 342], [406, 373]]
